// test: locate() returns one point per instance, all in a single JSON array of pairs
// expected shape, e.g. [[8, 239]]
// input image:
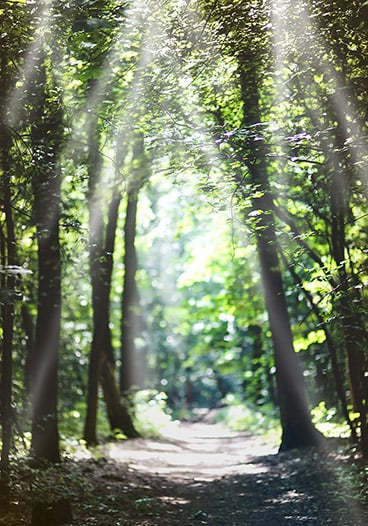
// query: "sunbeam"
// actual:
[[41, 21], [300, 50]]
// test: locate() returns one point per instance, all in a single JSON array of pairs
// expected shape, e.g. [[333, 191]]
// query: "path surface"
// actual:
[[196, 451], [204, 474], [199, 474]]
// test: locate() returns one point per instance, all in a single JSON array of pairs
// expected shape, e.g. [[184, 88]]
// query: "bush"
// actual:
[[150, 412]]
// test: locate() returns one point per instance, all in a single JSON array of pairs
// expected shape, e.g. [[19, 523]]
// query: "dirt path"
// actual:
[[202, 474], [195, 451]]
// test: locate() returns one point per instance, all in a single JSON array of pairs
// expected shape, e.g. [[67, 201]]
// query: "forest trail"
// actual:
[[203, 474], [195, 451]]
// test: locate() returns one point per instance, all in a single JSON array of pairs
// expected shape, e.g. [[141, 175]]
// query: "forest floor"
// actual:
[[201, 474]]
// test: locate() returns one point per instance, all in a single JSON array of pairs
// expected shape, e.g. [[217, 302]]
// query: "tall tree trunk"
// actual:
[[132, 371], [7, 311], [102, 241], [297, 427], [352, 324], [95, 255], [130, 305], [7, 282], [7, 258], [348, 300], [46, 137]]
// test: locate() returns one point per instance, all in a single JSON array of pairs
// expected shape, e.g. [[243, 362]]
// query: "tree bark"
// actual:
[[7, 315], [130, 304], [133, 365], [7, 283], [102, 241], [7, 258], [46, 137], [297, 427], [352, 324], [95, 255]]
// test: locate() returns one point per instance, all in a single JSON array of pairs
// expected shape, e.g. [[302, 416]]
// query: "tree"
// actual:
[[7, 261], [101, 365], [132, 366], [329, 97], [297, 428], [46, 123], [249, 51], [12, 41]]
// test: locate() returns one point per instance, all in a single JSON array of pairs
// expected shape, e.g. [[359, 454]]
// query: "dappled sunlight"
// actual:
[[199, 451], [236, 130], [326, 83], [42, 24]]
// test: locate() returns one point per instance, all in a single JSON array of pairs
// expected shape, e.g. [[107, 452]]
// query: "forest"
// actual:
[[183, 227]]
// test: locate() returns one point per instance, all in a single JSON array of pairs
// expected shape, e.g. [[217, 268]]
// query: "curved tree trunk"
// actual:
[[102, 241], [297, 427]]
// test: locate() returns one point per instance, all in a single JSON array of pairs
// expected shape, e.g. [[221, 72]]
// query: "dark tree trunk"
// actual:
[[102, 241], [7, 316], [347, 304], [44, 377], [7, 258], [133, 360], [297, 427], [346, 287], [95, 255], [46, 136], [130, 304]]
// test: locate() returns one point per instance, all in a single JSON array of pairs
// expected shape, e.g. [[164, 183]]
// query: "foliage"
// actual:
[[169, 71], [151, 416], [329, 422], [244, 416]]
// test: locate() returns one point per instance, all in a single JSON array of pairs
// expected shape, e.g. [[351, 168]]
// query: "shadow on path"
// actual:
[[199, 474], [204, 474]]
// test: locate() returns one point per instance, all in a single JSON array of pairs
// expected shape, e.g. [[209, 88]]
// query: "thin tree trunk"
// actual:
[[352, 324], [133, 365], [95, 255], [348, 302], [8, 329], [130, 316], [7, 308], [7, 258]]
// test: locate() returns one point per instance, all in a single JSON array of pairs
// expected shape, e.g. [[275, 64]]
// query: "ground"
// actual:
[[201, 474]]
